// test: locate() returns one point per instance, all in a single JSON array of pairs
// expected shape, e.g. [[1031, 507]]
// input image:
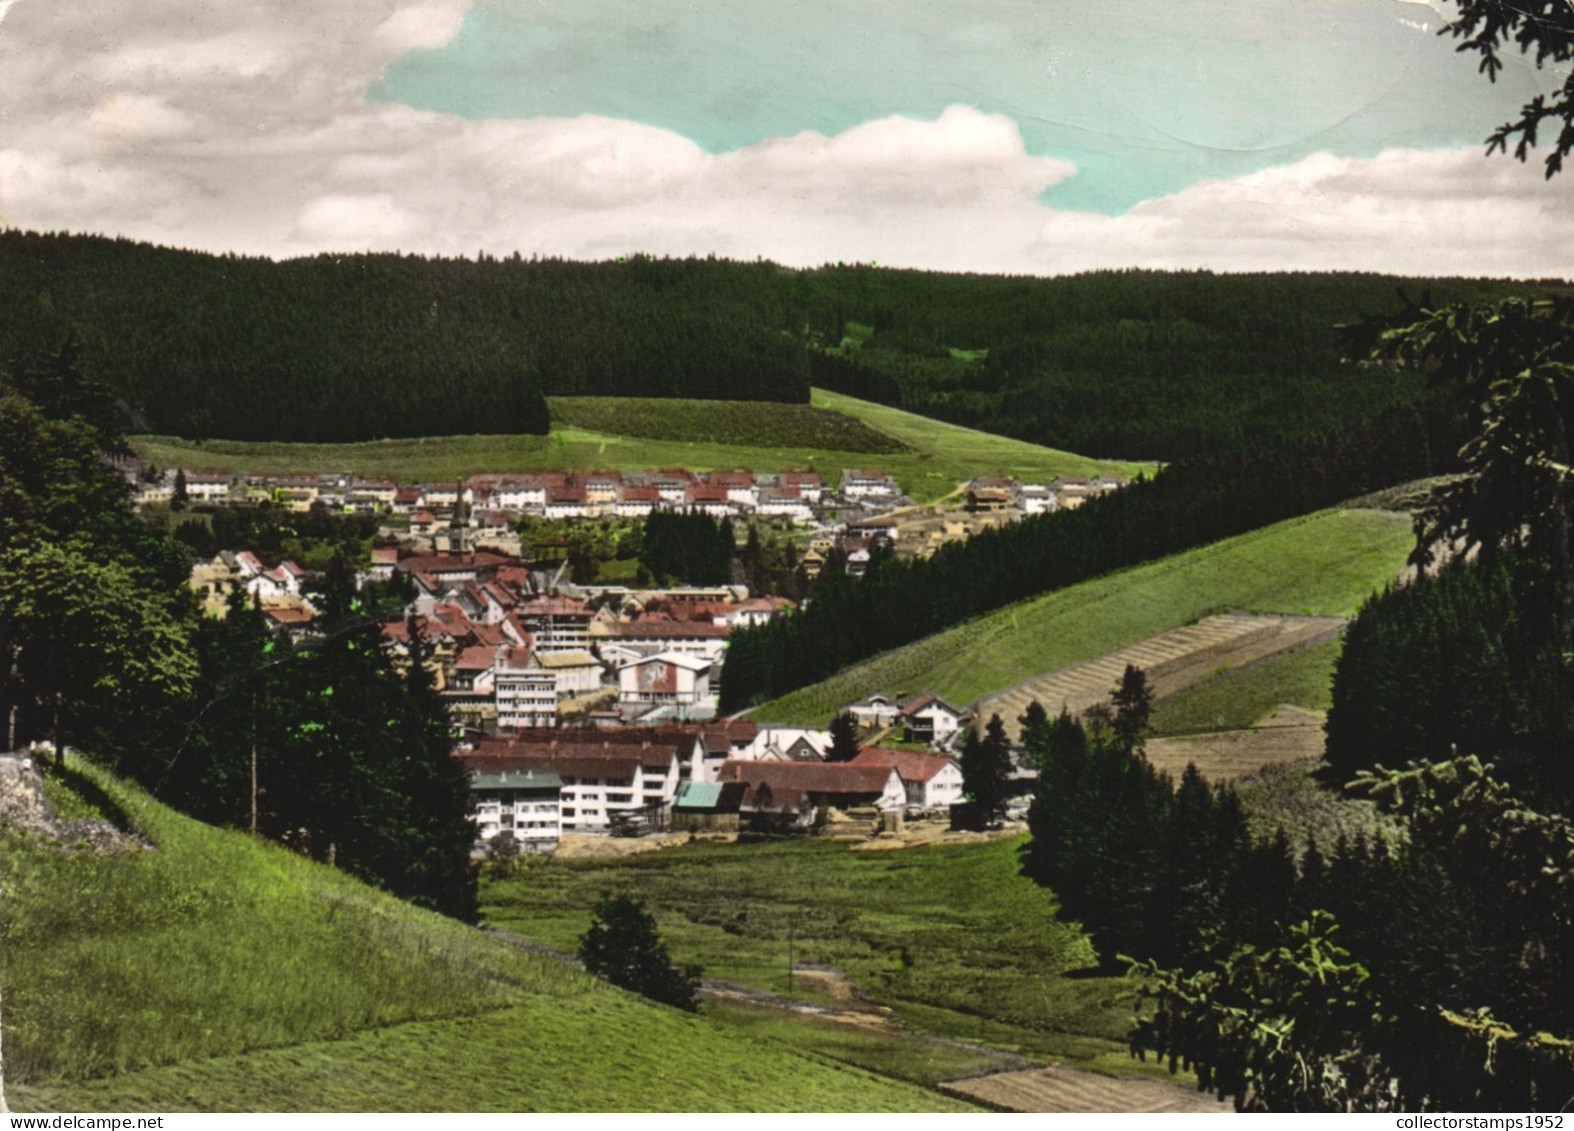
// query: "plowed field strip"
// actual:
[[1064, 1090], [1174, 661]]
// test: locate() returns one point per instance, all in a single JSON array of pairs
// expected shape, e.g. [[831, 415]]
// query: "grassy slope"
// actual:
[[942, 455], [221, 973], [1237, 699], [985, 957], [1325, 563]]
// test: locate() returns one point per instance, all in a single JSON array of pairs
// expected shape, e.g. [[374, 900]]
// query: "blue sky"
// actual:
[[1145, 98], [992, 135]]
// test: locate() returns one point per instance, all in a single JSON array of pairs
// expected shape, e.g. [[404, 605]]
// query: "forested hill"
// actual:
[[338, 348], [1121, 364]]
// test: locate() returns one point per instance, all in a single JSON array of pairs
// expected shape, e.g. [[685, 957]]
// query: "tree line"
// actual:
[[1134, 364], [323, 745], [1185, 505], [1433, 968]]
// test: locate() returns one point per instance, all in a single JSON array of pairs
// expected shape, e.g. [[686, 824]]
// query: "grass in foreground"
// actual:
[[940, 456], [952, 938], [221, 973], [1324, 564], [1234, 700]]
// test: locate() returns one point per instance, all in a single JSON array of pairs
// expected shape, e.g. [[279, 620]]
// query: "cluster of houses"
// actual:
[[510, 647], [498, 500], [533, 786], [918, 531]]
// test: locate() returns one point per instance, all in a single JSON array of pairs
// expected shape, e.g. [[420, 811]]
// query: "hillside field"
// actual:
[[221, 973], [1238, 698], [1324, 564], [936, 458], [952, 938]]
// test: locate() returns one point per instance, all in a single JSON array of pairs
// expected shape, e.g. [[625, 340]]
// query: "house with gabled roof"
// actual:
[[931, 720], [800, 792], [604, 773], [932, 784], [876, 711]]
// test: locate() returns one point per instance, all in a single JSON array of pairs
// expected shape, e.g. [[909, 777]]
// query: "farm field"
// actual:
[[1324, 564], [1289, 735], [1061, 1090], [951, 939], [222, 973], [1173, 661], [940, 456], [1232, 700]]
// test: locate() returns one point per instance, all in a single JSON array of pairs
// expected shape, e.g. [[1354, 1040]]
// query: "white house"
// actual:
[[930, 783], [576, 673], [666, 677], [523, 804], [526, 692], [930, 719], [875, 711], [868, 484], [603, 774]]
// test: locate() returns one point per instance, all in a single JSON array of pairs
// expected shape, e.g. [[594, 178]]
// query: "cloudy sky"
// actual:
[[1029, 136]]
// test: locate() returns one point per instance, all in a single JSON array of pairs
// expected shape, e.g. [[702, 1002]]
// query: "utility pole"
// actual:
[[253, 760], [791, 927]]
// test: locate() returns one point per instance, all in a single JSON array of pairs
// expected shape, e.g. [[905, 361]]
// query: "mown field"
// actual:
[[735, 423], [952, 938], [938, 457], [1238, 698], [1322, 564], [220, 973]]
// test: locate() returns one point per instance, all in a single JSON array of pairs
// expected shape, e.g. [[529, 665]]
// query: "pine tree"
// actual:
[[986, 769], [624, 947], [844, 739]]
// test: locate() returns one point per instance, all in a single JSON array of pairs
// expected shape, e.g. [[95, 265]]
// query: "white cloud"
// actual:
[[338, 220], [422, 25], [242, 127], [137, 116]]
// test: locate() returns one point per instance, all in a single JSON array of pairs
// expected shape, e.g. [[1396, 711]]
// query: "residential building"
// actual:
[[523, 804]]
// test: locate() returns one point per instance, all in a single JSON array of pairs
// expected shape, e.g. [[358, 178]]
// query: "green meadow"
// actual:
[[1322, 564], [216, 972], [929, 458], [1235, 699], [953, 938]]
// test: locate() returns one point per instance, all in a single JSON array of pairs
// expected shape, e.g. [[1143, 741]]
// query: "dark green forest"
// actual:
[[1133, 364], [323, 744], [1186, 504]]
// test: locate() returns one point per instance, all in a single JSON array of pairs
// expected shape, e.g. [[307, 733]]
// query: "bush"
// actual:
[[623, 947]]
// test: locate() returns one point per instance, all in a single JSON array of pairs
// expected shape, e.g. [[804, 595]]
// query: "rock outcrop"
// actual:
[[24, 807]]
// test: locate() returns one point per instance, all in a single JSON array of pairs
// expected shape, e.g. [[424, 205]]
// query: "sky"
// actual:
[[1016, 136]]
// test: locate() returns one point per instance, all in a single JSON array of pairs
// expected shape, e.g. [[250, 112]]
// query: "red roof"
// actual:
[[517, 658], [476, 658], [552, 606], [637, 494], [720, 737], [788, 781], [908, 765], [666, 628], [385, 555], [289, 614], [599, 753]]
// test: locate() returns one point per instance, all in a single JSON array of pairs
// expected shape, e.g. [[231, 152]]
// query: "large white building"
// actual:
[[523, 804], [666, 677]]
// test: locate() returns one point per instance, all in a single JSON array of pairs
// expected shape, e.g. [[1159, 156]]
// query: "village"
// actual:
[[584, 708]]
